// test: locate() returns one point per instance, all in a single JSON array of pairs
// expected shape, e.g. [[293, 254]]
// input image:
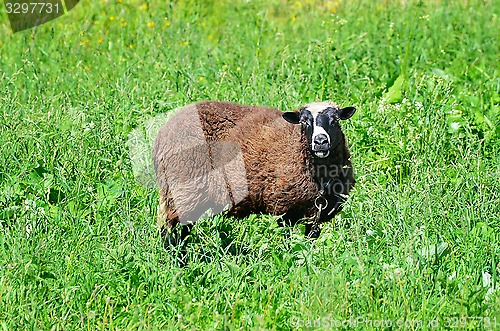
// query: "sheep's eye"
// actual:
[[333, 120], [304, 121]]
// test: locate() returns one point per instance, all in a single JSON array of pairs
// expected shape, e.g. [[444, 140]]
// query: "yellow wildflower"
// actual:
[[333, 6], [131, 46], [201, 79], [99, 40], [143, 7], [111, 18], [167, 23], [123, 23], [151, 24]]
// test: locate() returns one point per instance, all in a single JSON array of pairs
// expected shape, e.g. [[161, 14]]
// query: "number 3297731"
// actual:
[[32, 8]]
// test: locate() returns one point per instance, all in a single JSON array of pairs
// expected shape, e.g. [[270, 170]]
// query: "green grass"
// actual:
[[79, 248]]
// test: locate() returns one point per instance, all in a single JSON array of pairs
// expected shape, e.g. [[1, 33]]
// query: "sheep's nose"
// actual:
[[321, 139]]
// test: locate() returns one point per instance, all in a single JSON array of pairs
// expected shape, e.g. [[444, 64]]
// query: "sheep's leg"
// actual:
[[177, 235], [312, 230], [176, 238], [288, 220], [282, 222]]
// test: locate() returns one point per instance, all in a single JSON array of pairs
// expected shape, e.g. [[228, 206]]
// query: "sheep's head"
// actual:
[[320, 123]]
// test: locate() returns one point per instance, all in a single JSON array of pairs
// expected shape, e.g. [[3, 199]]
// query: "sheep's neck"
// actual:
[[326, 171]]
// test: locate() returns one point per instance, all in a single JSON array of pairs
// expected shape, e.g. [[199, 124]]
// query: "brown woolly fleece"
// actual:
[[245, 160]]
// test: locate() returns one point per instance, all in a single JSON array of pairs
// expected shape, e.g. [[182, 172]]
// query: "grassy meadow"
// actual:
[[417, 246]]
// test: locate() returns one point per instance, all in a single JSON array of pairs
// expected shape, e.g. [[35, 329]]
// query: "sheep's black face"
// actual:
[[320, 123]]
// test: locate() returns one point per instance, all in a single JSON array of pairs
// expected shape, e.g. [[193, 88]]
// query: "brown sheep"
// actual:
[[220, 156]]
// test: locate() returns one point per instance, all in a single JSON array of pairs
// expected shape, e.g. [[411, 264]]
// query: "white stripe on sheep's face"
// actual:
[[320, 123]]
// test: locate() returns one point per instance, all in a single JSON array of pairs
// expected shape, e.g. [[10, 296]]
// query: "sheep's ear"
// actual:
[[292, 117], [346, 113]]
